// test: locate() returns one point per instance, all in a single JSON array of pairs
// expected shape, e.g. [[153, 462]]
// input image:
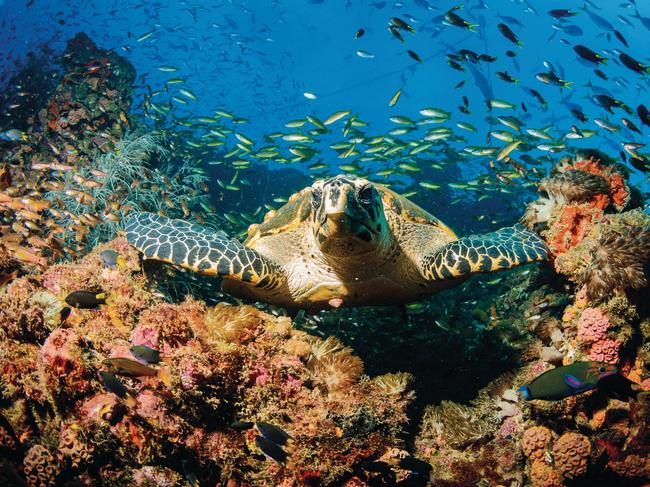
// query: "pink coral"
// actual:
[[571, 454], [605, 351], [592, 325]]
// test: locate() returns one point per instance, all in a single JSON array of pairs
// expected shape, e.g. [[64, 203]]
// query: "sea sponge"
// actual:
[[535, 440], [605, 351], [590, 162], [543, 475], [570, 225], [571, 454], [40, 468], [592, 325], [617, 262]]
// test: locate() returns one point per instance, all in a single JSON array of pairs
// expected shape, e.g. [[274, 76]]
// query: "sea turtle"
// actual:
[[343, 241]]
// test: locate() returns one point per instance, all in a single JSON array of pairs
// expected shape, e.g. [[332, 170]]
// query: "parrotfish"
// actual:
[[568, 380], [146, 354]]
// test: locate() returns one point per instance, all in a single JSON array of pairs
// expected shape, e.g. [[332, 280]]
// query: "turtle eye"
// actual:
[[365, 194], [316, 198], [601, 369]]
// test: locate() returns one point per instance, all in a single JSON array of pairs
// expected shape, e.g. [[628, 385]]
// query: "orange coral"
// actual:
[[535, 440], [619, 193], [572, 226], [632, 467], [543, 475], [571, 454]]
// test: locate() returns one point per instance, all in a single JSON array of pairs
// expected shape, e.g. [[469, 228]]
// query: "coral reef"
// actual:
[[64, 190], [219, 365], [599, 244]]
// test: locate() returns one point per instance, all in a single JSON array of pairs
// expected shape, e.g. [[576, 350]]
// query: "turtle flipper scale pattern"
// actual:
[[505, 248], [198, 249]]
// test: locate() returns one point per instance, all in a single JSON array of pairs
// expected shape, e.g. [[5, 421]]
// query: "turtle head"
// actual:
[[348, 216]]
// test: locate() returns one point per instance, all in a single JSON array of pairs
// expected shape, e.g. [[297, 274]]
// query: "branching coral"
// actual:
[[617, 262]]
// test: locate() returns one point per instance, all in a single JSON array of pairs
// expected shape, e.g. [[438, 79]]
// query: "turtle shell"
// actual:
[[407, 210], [284, 219]]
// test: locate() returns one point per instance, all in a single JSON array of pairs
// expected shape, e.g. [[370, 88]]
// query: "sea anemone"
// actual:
[[393, 384], [617, 262], [539, 212], [337, 372], [574, 185]]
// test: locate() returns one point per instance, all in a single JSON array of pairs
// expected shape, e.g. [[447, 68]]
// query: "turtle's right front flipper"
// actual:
[[197, 248]]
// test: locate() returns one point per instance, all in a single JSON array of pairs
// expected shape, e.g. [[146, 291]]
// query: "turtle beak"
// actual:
[[334, 212]]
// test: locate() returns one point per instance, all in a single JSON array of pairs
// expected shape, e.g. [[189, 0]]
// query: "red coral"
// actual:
[[592, 325], [605, 351], [619, 192], [572, 226]]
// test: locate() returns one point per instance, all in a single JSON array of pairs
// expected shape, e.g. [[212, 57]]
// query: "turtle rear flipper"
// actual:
[[197, 248], [505, 248]]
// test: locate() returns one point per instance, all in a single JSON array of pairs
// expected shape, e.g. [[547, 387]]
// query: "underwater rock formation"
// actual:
[[218, 365]]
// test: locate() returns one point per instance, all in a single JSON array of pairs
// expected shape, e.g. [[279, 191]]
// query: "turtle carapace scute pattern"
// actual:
[[342, 241]]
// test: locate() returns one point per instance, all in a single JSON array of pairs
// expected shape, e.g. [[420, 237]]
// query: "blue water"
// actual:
[[256, 59]]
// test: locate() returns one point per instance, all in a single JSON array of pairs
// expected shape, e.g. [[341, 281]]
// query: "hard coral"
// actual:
[[631, 467], [535, 440], [592, 325], [571, 454], [543, 475], [73, 445], [617, 262], [40, 468], [605, 351]]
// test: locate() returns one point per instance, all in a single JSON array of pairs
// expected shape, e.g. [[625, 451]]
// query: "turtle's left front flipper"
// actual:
[[505, 248]]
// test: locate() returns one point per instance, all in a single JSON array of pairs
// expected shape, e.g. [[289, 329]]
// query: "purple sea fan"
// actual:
[[617, 262]]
